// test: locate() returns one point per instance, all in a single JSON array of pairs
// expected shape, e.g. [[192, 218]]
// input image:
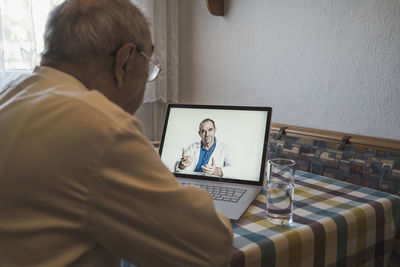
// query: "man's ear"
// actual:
[[122, 59]]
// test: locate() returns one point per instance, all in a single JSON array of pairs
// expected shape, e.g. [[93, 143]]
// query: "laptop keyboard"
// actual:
[[222, 193]]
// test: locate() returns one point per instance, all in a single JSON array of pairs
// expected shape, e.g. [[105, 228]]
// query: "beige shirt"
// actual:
[[80, 185]]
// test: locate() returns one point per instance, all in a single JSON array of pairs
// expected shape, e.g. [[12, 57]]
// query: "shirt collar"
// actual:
[[56, 76], [211, 148]]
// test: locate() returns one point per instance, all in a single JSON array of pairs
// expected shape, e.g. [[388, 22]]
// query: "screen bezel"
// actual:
[[220, 179]]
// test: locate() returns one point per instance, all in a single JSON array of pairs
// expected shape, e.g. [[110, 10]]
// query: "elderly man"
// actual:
[[80, 185], [207, 156]]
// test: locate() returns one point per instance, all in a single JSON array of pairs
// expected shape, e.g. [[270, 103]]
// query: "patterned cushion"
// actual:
[[354, 164]]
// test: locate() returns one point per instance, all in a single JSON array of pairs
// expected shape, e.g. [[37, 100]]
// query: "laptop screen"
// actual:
[[216, 142]]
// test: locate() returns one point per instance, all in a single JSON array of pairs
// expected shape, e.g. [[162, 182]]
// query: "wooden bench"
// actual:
[[362, 160]]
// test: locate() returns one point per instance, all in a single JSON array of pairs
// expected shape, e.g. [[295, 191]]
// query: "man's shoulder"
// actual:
[[96, 113], [93, 103], [221, 144], [69, 106], [62, 87], [87, 109], [222, 147]]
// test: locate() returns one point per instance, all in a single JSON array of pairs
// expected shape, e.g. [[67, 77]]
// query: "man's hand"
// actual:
[[186, 160], [212, 169]]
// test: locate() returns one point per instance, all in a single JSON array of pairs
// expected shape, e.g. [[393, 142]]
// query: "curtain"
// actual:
[[22, 24], [163, 16]]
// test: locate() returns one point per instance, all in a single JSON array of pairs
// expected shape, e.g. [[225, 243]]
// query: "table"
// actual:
[[335, 224]]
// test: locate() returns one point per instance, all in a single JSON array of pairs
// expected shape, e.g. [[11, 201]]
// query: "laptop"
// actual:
[[221, 149]]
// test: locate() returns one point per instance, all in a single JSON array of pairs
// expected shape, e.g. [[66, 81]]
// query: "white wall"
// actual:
[[331, 64]]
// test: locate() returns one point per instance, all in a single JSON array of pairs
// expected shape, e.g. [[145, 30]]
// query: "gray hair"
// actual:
[[78, 31], [205, 120]]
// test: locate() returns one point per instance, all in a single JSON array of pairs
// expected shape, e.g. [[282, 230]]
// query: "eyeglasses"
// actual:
[[154, 68]]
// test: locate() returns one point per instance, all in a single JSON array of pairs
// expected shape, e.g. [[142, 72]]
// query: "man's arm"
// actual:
[[185, 161], [212, 169], [229, 167], [138, 211]]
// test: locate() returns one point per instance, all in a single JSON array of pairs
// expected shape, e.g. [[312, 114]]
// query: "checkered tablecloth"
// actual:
[[335, 224]]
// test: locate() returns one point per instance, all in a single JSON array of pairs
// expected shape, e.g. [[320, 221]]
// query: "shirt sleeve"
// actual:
[[137, 210], [190, 150], [229, 168]]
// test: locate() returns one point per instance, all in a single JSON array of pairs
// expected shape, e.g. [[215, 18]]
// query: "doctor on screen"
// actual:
[[209, 156]]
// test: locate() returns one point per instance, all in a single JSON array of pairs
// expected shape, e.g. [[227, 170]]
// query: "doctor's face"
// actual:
[[207, 133]]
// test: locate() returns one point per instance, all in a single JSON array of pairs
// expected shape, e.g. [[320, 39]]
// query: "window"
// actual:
[[22, 24]]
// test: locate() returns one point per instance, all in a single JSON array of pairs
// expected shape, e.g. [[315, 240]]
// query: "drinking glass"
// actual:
[[280, 190]]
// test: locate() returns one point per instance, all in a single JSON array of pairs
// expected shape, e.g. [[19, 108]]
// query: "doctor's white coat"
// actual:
[[221, 155]]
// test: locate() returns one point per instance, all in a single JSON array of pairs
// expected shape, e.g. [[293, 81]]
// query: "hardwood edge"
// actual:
[[387, 144]]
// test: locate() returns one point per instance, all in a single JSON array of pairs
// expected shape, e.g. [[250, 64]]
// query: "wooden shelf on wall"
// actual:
[[216, 7]]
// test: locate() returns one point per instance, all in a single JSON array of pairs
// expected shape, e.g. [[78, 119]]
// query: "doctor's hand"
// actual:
[[212, 169], [186, 160]]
